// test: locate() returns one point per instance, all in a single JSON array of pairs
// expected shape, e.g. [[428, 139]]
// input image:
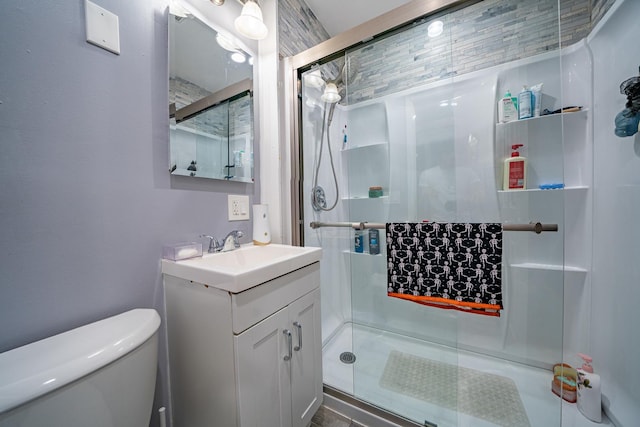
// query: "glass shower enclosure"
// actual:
[[412, 137]]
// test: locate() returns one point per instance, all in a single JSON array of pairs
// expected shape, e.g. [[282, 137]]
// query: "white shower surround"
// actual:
[[475, 93]]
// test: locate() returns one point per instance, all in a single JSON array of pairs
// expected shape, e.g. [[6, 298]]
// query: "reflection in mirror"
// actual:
[[211, 104]]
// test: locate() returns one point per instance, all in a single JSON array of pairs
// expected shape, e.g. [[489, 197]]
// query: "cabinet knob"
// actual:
[[287, 333], [299, 326]]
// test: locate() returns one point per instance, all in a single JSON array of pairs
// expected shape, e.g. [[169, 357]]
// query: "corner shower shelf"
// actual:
[[356, 198], [538, 190], [362, 254], [364, 145], [582, 113], [549, 267]]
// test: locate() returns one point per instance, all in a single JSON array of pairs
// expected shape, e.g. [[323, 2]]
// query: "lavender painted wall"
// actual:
[[86, 198]]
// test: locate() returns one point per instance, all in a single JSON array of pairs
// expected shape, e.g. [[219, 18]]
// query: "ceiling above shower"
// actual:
[[338, 16]]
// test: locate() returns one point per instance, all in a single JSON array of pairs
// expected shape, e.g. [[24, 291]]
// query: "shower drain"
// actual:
[[347, 357]]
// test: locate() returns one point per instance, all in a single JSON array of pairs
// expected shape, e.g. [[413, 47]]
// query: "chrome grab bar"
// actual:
[[535, 227]]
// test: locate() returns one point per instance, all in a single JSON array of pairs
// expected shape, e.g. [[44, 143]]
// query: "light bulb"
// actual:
[[250, 23], [331, 94], [226, 42], [314, 79], [238, 57], [435, 28]]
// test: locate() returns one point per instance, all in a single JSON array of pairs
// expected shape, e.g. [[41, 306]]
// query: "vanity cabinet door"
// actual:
[[263, 374], [306, 362]]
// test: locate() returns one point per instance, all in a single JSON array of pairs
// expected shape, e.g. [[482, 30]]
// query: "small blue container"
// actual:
[[359, 242]]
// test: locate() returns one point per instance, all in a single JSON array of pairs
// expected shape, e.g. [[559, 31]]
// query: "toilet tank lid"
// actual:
[[35, 369]]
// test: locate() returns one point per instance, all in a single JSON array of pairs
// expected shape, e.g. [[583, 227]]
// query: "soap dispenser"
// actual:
[[589, 392], [515, 170]]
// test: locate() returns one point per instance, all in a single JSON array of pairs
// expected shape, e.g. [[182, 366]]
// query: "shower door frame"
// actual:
[[328, 50]]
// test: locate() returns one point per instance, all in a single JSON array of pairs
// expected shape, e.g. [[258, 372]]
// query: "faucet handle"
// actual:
[[214, 245]]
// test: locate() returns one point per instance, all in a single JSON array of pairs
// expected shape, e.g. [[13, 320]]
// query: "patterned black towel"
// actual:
[[447, 265]]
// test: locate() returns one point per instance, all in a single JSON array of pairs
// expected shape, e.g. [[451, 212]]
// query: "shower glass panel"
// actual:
[[415, 138], [398, 146]]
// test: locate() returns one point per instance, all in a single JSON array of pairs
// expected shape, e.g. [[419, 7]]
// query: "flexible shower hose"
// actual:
[[314, 200]]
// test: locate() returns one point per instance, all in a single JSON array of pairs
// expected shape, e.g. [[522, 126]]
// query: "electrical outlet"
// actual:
[[238, 207]]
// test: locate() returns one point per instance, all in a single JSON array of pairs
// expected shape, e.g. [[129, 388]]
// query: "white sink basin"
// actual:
[[243, 268]]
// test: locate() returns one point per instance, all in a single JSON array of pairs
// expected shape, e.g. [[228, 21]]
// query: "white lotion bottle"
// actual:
[[589, 391], [515, 170]]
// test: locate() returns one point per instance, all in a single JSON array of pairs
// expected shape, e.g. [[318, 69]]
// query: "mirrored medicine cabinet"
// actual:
[[210, 104]]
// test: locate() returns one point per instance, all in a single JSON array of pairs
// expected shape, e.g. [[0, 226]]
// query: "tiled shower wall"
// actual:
[[298, 27], [479, 36], [598, 9]]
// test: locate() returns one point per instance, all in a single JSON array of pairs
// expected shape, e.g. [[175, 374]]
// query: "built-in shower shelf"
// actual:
[[362, 254], [358, 198], [576, 114], [549, 267], [363, 145], [538, 190]]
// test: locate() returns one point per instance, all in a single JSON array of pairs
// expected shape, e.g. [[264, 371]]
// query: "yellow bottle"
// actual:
[[515, 171]]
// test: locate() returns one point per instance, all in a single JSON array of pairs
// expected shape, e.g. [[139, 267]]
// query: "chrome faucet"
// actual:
[[229, 243], [232, 241]]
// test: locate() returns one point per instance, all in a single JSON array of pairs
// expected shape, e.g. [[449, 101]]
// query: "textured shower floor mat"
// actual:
[[491, 397]]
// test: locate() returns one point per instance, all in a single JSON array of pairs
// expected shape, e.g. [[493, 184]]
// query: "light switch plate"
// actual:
[[102, 27], [238, 207]]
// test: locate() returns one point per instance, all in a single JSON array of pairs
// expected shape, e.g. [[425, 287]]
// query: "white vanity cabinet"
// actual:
[[245, 359]]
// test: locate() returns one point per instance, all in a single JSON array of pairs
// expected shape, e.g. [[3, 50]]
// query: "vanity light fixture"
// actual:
[[331, 94], [250, 23], [226, 42], [178, 10], [217, 2], [435, 28], [314, 79], [238, 57]]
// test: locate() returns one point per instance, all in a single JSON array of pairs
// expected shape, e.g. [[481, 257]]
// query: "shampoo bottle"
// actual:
[[515, 170], [507, 108], [525, 103], [374, 242], [589, 393], [359, 242]]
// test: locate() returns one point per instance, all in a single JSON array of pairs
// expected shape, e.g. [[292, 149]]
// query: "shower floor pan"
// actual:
[[373, 349]]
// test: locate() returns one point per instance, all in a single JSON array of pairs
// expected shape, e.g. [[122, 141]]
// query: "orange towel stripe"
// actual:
[[451, 304]]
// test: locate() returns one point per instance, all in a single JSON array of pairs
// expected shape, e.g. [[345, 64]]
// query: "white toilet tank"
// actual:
[[102, 374]]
